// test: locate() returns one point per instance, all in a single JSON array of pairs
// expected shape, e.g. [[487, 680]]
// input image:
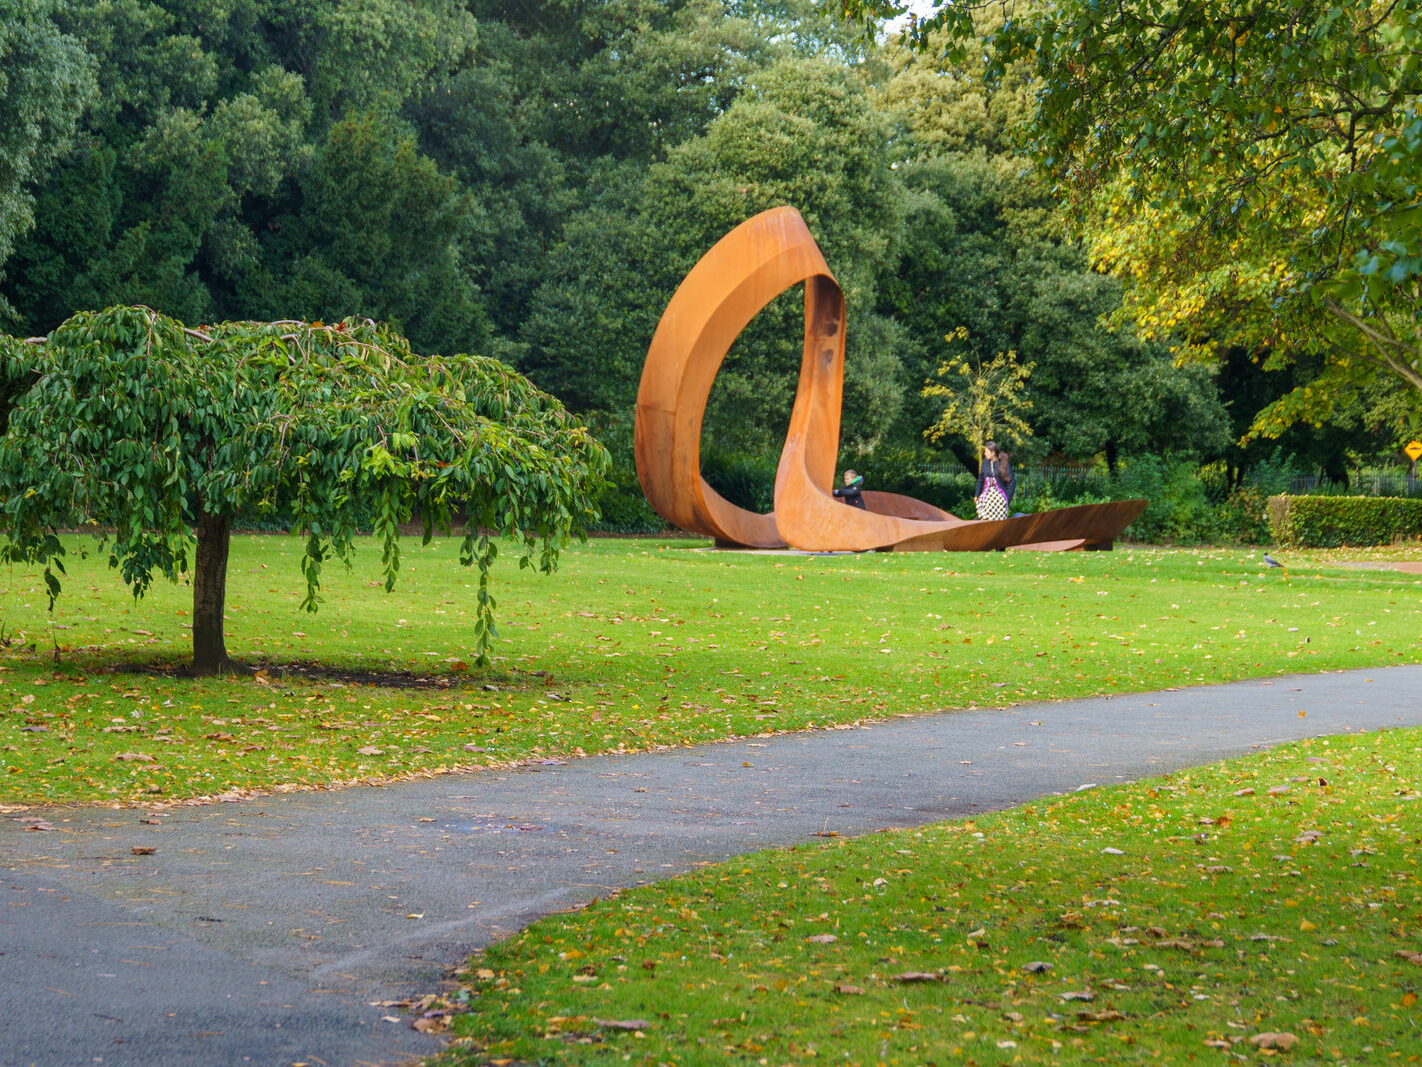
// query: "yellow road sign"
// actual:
[[1413, 449]]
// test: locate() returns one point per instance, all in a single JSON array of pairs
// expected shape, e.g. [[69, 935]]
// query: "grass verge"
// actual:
[[633, 644], [1260, 908]]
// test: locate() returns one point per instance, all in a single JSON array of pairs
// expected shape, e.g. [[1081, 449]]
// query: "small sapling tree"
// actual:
[[158, 438]]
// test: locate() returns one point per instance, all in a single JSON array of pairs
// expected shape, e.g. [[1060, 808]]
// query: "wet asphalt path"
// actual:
[[276, 931]]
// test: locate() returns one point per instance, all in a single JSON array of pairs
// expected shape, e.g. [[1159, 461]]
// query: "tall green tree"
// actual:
[[45, 79], [214, 141], [1251, 168], [378, 227], [988, 253], [158, 437], [801, 133]]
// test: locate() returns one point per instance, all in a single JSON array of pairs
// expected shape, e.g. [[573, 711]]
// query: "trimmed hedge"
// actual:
[[1335, 521]]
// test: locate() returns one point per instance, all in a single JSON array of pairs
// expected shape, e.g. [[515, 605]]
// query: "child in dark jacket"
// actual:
[[853, 491]]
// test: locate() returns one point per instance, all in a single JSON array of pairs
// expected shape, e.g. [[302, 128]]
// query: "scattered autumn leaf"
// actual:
[[1282, 1041], [1110, 1015]]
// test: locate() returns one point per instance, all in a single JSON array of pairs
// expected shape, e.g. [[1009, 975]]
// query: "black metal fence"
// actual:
[[1376, 481]]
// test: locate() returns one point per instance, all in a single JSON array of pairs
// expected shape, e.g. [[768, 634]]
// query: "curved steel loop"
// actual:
[[739, 276]]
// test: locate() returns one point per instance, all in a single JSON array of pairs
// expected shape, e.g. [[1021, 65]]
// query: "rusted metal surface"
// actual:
[[740, 275]]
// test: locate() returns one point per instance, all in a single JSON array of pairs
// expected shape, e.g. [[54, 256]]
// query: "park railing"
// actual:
[[1370, 481]]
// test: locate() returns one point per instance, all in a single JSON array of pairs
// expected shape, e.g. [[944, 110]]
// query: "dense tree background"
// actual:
[[530, 179]]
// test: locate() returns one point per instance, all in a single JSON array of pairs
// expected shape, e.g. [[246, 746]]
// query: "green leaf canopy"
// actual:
[[141, 428]]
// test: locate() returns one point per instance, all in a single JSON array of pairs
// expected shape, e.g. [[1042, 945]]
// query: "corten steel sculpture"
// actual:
[[740, 275]]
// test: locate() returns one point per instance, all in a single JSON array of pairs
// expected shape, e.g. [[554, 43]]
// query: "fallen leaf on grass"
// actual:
[[135, 757], [1080, 994], [369, 750], [1406, 954], [917, 976], [1110, 1015], [849, 990], [623, 1024], [822, 939], [1037, 967], [1282, 1041]]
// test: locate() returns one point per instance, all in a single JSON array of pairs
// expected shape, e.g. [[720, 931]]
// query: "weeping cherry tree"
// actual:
[[157, 438]]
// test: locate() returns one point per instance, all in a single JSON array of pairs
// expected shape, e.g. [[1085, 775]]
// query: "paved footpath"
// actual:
[[270, 931]]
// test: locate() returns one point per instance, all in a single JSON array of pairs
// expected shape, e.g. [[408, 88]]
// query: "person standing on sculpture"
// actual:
[[991, 497], [853, 491], [1006, 479]]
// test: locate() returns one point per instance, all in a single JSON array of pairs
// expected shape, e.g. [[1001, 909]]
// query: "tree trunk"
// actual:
[[1112, 455], [214, 536]]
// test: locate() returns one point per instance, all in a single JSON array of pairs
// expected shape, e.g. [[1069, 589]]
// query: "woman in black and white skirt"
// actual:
[[995, 483]]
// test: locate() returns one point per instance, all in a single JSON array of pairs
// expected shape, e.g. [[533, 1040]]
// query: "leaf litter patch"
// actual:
[[331, 674]]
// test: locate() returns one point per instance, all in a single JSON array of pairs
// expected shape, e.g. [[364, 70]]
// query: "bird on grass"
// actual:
[[1270, 561]]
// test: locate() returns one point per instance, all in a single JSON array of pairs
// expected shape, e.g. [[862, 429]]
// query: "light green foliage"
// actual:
[[981, 400], [136, 425], [1251, 911], [1253, 169], [987, 248]]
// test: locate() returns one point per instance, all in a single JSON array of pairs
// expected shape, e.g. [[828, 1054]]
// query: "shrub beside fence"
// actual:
[[1336, 521]]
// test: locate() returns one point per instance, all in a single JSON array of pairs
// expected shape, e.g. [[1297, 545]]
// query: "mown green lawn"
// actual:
[[1267, 909], [632, 644], [1263, 909]]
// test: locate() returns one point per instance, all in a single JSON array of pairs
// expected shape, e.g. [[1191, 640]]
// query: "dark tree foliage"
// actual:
[[531, 180]]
